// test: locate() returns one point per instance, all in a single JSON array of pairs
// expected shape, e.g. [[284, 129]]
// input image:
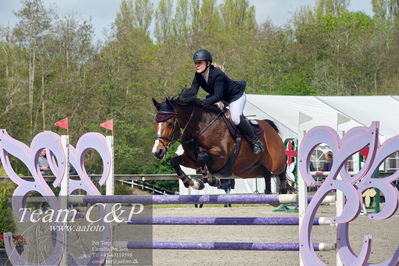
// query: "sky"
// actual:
[[103, 12]]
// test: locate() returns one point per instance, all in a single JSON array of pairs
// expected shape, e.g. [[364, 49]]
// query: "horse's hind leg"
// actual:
[[268, 184], [207, 176], [282, 186], [187, 181], [283, 183]]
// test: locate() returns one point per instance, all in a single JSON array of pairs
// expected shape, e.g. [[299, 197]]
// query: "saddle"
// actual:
[[232, 127], [227, 170]]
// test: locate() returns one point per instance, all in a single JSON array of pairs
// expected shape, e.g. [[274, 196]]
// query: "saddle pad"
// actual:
[[257, 129]]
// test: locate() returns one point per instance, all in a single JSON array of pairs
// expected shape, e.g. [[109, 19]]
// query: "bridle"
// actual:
[[162, 117]]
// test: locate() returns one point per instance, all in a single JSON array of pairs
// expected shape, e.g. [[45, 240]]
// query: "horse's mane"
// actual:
[[188, 96]]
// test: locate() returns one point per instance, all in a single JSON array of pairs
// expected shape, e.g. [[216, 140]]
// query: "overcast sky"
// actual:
[[102, 12]]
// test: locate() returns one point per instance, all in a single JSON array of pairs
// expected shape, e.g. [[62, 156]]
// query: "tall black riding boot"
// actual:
[[246, 129]]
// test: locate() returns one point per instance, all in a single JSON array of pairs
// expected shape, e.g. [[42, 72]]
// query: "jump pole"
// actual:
[[194, 199], [221, 246], [224, 221]]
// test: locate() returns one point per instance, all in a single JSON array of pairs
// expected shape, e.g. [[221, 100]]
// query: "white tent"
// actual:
[[350, 111], [324, 110]]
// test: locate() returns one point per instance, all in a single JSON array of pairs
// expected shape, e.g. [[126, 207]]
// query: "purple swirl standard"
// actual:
[[56, 157], [351, 186]]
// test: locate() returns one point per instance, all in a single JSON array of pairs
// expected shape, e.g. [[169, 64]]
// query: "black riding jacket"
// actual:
[[219, 86]]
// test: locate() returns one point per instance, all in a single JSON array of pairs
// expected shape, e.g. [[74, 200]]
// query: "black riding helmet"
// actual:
[[202, 55]]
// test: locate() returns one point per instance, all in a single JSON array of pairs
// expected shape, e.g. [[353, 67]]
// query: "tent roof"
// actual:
[[324, 110]]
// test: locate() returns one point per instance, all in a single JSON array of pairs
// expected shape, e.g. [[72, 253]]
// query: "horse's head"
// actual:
[[167, 128]]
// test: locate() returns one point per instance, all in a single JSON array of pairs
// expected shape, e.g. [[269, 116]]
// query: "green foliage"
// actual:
[[329, 21], [7, 223], [51, 68], [296, 84], [169, 186], [162, 166], [121, 189], [348, 20], [2, 172]]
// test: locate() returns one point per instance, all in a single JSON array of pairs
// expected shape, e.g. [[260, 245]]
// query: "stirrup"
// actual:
[[257, 146]]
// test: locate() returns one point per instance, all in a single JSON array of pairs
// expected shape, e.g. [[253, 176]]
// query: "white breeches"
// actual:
[[237, 108]]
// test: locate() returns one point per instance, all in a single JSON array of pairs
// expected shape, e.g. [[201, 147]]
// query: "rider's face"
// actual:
[[200, 66]]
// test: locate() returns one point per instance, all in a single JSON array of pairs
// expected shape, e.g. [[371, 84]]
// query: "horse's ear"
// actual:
[[169, 104], [156, 104]]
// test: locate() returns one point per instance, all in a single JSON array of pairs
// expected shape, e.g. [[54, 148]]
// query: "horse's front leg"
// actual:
[[207, 176], [175, 162]]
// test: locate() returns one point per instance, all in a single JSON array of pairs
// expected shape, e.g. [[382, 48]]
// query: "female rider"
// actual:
[[221, 88]]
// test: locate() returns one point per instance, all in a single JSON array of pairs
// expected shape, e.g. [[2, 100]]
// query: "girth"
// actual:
[[227, 169]]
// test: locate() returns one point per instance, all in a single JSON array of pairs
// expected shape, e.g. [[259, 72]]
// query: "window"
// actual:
[[392, 162]]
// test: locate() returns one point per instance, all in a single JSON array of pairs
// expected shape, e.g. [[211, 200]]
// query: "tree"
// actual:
[[143, 13], [238, 15], [386, 10], [134, 14], [33, 25], [163, 21], [13, 76], [205, 22], [334, 7], [181, 23]]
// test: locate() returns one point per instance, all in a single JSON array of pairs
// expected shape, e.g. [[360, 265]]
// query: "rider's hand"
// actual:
[[200, 102]]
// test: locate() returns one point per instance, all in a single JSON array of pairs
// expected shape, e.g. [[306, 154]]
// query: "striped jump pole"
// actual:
[[196, 199], [225, 221], [221, 246]]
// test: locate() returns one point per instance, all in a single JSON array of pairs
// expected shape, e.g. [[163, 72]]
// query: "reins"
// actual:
[[210, 123], [202, 130], [168, 115], [185, 127]]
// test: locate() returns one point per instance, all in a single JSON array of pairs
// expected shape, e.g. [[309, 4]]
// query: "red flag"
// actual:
[[108, 125], [364, 152], [62, 123]]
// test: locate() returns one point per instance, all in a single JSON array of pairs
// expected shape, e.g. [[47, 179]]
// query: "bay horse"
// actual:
[[209, 144]]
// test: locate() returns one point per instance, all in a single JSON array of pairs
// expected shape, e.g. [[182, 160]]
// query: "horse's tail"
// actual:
[[273, 125]]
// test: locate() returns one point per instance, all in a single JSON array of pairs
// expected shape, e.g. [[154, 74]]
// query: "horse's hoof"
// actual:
[[198, 184], [208, 178], [215, 182], [187, 182], [202, 185], [283, 188], [268, 191]]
